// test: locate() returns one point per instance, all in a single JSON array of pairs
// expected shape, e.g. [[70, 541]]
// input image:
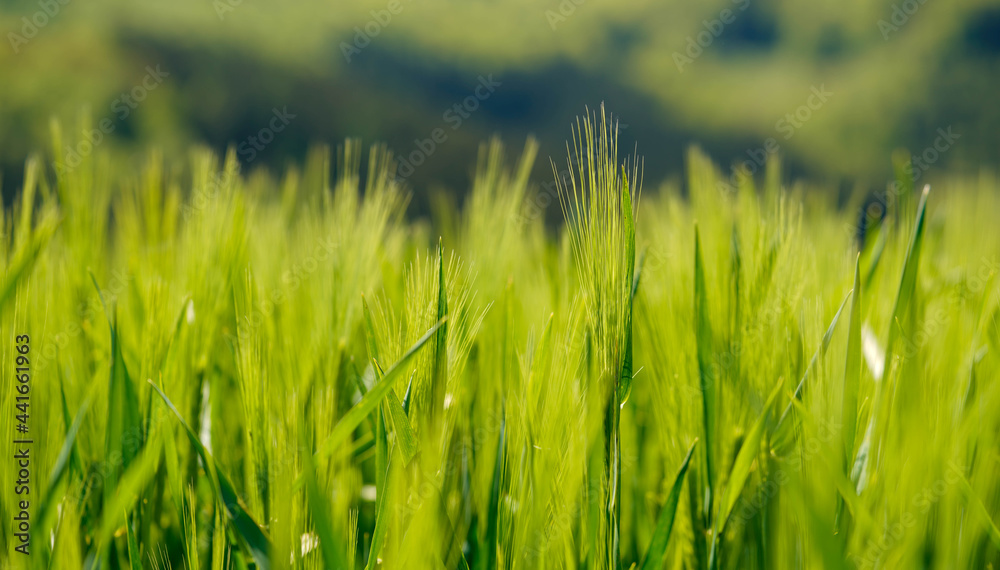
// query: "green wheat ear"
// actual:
[[598, 205]]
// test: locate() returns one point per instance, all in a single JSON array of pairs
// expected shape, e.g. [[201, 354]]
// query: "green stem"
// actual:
[[613, 472]]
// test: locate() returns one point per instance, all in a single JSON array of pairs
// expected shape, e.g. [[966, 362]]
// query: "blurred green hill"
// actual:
[[738, 78]]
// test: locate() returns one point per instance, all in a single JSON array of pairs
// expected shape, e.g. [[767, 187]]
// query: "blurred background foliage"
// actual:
[[898, 71]]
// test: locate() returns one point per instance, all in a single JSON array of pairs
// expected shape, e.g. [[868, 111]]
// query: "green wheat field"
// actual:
[[204, 368]]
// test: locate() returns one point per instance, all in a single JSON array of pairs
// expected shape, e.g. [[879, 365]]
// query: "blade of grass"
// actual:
[[352, 370], [440, 382], [134, 556], [843, 484], [664, 524], [820, 352], [625, 378], [703, 336], [252, 537], [75, 462], [851, 386], [980, 510], [488, 543], [26, 257], [383, 514], [625, 382], [738, 476], [127, 492], [819, 530], [123, 434], [876, 256], [406, 439], [882, 405], [908, 282], [408, 393], [59, 470], [371, 400], [319, 508], [744, 461], [852, 372]]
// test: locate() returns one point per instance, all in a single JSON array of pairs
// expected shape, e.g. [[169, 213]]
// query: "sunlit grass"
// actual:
[[237, 372]]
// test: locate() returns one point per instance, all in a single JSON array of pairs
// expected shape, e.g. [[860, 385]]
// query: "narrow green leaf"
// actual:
[[697, 519], [980, 510], [908, 282], [359, 382], [820, 529], [372, 399], [408, 393], [882, 405], [68, 421], [852, 371], [25, 258], [844, 486], [127, 492], [123, 434], [703, 336], [406, 438], [252, 537], [661, 535], [134, 556], [440, 381], [319, 508], [383, 514], [638, 274], [875, 256], [820, 352], [625, 381], [49, 498], [489, 544], [744, 460], [371, 342], [381, 450]]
